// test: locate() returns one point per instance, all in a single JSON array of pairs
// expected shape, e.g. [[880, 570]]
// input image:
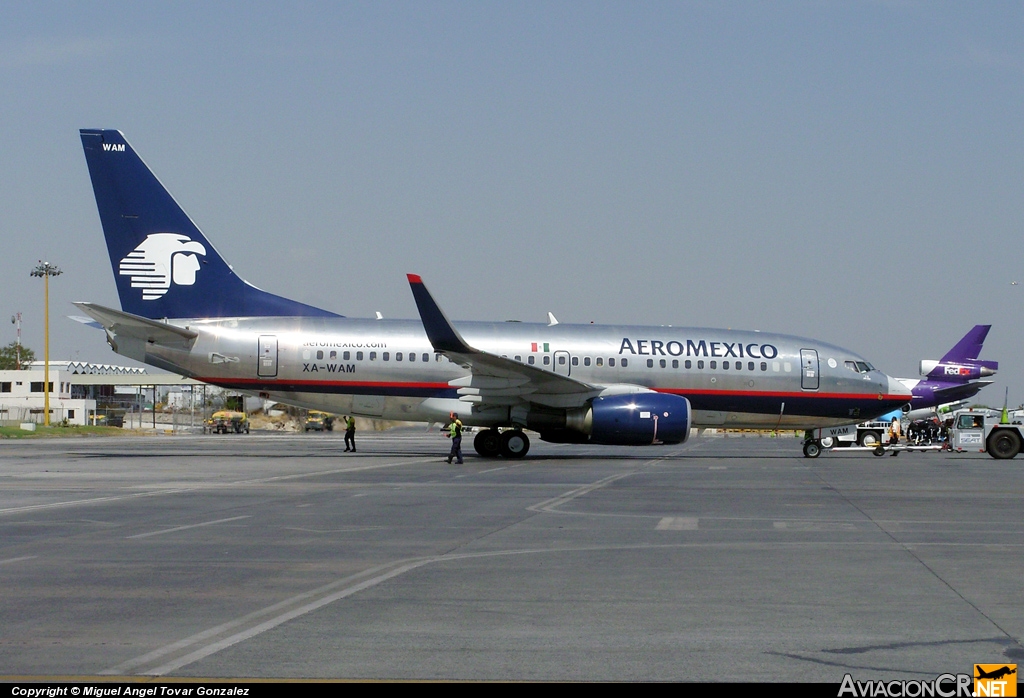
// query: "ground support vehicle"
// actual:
[[817, 440], [227, 421], [882, 448], [870, 434], [826, 439], [986, 432], [319, 421]]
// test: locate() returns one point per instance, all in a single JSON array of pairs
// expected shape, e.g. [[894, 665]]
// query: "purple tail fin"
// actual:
[[968, 348]]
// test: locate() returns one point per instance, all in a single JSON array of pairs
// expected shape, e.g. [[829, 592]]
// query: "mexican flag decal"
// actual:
[[539, 347]]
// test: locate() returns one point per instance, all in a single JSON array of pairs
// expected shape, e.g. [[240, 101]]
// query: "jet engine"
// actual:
[[634, 419]]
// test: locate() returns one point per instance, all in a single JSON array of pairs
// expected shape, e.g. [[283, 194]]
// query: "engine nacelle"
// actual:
[[965, 370], [639, 419]]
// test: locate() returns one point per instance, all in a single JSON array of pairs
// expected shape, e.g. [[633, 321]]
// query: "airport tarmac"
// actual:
[[723, 559]]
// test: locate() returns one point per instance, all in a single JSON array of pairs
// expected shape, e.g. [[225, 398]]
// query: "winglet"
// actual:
[[442, 335]]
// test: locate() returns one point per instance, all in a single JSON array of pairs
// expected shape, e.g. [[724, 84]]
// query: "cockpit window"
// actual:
[[859, 366]]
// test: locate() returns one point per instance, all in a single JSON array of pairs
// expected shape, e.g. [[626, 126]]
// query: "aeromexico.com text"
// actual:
[[702, 347]]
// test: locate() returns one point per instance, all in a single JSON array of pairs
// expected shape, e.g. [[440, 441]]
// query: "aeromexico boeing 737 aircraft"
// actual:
[[183, 309]]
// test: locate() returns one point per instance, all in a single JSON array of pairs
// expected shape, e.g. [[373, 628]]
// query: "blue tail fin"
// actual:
[[163, 265]]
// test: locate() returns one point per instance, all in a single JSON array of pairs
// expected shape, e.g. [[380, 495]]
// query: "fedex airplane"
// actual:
[[955, 377], [185, 310]]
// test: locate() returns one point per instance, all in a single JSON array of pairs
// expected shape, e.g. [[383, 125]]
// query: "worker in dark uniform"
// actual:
[[350, 433], [455, 434]]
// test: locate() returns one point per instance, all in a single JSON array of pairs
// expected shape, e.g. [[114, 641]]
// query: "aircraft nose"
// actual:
[[896, 388]]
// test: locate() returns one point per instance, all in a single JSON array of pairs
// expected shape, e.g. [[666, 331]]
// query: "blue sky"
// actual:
[[850, 172]]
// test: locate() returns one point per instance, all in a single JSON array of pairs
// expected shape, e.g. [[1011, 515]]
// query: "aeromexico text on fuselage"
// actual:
[[700, 347]]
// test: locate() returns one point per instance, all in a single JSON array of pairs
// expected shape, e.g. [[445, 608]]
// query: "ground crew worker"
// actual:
[[894, 434], [350, 433], [455, 434], [895, 430]]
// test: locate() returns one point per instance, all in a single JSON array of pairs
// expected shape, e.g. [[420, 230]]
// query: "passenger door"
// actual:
[[563, 363], [267, 361], [809, 369]]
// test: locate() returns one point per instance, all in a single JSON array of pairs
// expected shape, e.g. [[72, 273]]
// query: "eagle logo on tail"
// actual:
[[160, 260]]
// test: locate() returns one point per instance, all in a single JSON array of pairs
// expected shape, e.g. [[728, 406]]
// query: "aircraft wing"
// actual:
[[122, 326], [495, 380]]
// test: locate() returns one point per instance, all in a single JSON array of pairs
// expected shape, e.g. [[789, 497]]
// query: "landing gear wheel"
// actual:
[[1003, 444], [812, 449], [869, 439], [514, 444], [488, 443]]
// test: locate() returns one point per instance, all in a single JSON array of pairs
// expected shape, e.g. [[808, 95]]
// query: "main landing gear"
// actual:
[[511, 443]]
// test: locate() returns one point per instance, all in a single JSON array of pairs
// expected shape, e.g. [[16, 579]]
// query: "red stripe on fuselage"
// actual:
[[340, 384], [444, 386]]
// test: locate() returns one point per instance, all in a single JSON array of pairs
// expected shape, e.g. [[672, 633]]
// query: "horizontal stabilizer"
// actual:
[[961, 392], [88, 322], [125, 325]]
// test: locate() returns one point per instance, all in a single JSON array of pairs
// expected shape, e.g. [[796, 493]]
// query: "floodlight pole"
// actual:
[[46, 270]]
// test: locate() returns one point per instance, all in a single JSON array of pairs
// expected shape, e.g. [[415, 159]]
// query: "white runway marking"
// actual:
[[677, 523], [17, 559], [813, 526], [185, 528], [325, 597], [480, 472], [203, 486], [550, 506], [205, 642]]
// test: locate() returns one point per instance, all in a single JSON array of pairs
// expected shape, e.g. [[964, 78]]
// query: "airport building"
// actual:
[[22, 398], [78, 391]]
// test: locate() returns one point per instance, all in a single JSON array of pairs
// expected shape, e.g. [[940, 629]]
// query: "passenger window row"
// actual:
[[546, 360], [688, 364], [713, 365], [384, 356]]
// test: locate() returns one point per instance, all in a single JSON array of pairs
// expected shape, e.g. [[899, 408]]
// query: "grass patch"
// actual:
[[42, 432]]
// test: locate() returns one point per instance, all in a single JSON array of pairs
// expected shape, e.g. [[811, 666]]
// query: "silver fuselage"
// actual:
[[363, 367]]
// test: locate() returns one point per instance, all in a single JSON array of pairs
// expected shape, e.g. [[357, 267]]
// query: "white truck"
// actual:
[[987, 432]]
